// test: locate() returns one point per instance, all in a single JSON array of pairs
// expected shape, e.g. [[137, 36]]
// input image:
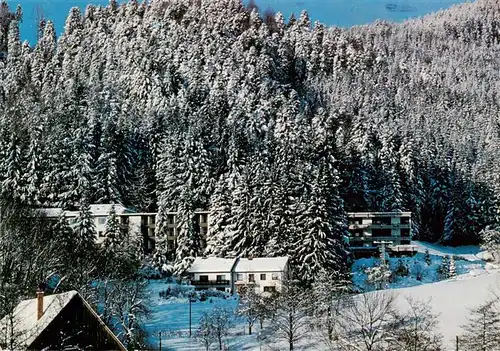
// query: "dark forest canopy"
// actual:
[[278, 126]]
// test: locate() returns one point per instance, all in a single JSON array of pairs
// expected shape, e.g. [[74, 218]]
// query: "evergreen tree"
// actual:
[[453, 270], [319, 244], [113, 234], [444, 267], [427, 257]]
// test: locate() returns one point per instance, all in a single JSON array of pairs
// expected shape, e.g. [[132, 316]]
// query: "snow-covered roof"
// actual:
[[50, 212], [212, 265], [98, 210], [261, 264], [26, 327], [103, 210], [25, 324]]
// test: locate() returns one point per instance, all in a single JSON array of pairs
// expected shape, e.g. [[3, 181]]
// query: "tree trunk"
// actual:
[[330, 328], [249, 329]]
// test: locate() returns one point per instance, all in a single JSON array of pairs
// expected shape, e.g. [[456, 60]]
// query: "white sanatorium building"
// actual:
[[231, 274], [366, 229], [136, 223]]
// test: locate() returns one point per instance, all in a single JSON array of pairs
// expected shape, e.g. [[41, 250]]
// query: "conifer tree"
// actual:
[[427, 257], [453, 270], [113, 233]]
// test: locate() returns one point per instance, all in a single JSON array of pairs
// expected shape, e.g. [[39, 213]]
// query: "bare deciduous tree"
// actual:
[[205, 333], [291, 318], [416, 329], [248, 306], [364, 322], [221, 320]]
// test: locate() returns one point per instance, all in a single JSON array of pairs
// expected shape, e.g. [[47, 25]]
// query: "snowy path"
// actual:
[[469, 253]]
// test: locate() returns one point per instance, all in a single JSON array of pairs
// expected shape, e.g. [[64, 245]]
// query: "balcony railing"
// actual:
[[209, 282]]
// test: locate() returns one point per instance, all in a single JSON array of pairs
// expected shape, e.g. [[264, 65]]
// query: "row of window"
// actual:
[[251, 276], [240, 277]]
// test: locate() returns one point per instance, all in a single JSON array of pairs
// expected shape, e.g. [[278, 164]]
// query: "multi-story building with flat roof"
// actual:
[[135, 223], [369, 230]]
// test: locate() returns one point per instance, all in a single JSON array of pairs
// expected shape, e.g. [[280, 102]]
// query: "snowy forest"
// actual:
[[278, 126]]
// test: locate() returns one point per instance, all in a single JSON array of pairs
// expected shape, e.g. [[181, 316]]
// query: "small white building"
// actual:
[[213, 273], [264, 273], [231, 274]]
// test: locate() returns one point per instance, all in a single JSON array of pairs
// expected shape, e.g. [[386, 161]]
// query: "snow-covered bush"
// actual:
[[401, 269], [378, 276], [418, 271], [490, 238], [444, 269]]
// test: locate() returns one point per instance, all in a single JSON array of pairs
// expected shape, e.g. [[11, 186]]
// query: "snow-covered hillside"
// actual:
[[452, 300]]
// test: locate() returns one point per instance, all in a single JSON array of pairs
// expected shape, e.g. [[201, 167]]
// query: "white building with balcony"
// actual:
[[213, 273], [265, 274]]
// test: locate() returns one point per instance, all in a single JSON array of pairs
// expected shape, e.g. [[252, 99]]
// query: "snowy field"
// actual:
[[331, 12], [451, 299]]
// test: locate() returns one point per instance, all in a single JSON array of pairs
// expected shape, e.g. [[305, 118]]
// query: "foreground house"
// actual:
[[56, 322], [265, 274]]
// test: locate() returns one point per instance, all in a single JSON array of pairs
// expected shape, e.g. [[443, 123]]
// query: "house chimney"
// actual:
[[39, 304]]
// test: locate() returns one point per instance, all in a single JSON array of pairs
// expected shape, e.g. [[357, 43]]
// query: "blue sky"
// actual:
[[342, 13]]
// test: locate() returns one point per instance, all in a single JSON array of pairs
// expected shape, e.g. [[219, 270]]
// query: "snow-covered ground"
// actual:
[[171, 318], [451, 299], [468, 261]]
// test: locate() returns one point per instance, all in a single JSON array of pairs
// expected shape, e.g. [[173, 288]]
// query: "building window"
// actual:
[[275, 276], [170, 219], [269, 289], [170, 232], [405, 242], [203, 278], [263, 276], [357, 232], [221, 277], [381, 232], [101, 220], [251, 277], [405, 232], [382, 220], [405, 220], [203, 218], [170, 245], [239, 277]]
